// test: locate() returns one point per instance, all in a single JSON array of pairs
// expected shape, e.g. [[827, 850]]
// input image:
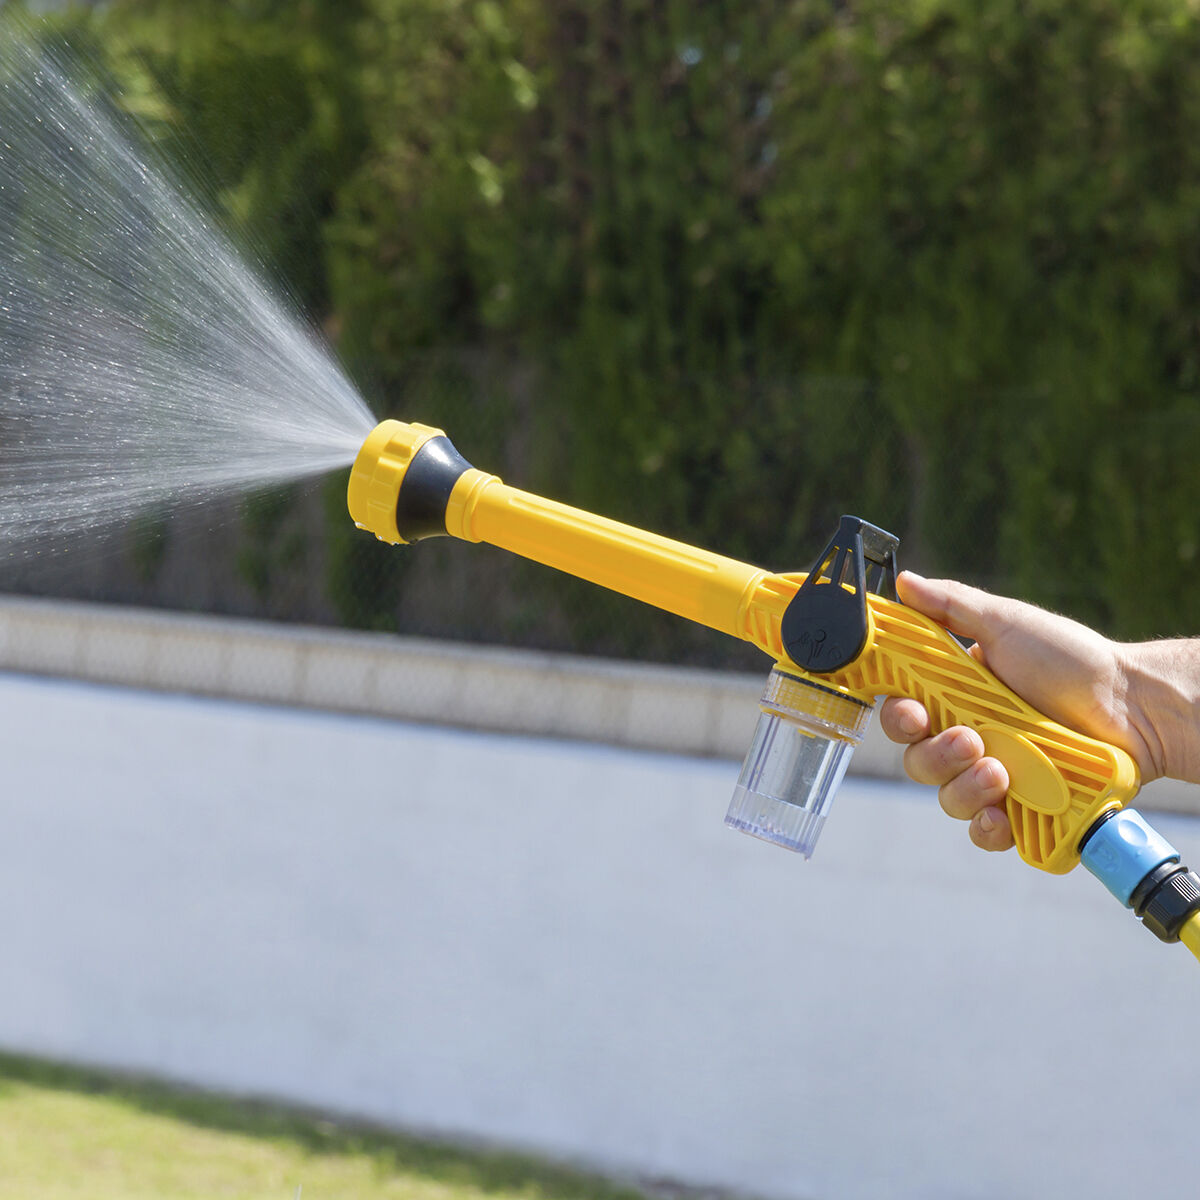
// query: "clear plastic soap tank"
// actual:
[[802, 746]]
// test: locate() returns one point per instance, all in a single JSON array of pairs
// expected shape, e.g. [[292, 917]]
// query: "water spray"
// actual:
[[839, 638], [142, 358]]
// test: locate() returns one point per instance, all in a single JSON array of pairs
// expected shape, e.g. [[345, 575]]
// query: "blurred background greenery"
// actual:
[[723, 270]]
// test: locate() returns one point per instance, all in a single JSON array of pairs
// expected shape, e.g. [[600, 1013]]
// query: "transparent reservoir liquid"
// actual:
[[802, 746], [787, 784]]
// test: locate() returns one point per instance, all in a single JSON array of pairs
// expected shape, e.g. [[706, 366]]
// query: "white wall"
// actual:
[[648, 707], [559, 945]]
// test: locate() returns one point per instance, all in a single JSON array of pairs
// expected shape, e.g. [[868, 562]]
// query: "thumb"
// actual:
[[964, 610]]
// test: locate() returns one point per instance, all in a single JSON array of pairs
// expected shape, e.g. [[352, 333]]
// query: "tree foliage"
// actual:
[[726, 270], [937, 263]]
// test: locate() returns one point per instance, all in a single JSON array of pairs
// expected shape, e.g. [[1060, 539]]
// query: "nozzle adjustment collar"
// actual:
[[401, 481], [425, 490]]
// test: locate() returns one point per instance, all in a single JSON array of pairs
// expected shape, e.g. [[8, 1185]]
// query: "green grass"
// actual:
[[67, 1133]]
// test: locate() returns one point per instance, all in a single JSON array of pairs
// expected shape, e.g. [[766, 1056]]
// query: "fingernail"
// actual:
[[964, 746], [986, 821], [988, 776], [909, 724]]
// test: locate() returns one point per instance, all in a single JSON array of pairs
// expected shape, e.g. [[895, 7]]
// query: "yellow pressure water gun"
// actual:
[[839, 638]]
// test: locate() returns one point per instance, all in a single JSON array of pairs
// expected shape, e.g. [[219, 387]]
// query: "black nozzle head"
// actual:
[[425, 489]]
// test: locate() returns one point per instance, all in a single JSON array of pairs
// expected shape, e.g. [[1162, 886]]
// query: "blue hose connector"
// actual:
[[1123, 850]]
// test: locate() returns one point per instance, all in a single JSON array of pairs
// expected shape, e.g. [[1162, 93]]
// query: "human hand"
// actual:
[[1066, 670]]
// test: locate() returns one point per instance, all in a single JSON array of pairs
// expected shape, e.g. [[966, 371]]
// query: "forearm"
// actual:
[[1163, 697]]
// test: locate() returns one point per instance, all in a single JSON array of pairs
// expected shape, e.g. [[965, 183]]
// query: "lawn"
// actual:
[[68, 1133]]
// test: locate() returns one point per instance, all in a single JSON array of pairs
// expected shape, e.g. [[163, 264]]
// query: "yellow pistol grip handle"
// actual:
[[1060, 781]]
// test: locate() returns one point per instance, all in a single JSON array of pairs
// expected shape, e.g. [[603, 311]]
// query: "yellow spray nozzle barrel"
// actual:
[[408, 482]]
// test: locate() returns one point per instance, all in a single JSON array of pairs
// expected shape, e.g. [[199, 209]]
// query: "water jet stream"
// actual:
[[144, 364]]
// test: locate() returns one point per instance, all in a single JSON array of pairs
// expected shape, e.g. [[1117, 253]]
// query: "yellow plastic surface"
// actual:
[[682, 579], [1060, 780], [1189, 935]]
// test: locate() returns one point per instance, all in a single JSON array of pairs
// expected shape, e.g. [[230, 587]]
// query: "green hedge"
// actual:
[[934, 262], [728, 270]]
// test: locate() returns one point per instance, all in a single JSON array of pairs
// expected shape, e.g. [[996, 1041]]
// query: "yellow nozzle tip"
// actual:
[[378, 472]]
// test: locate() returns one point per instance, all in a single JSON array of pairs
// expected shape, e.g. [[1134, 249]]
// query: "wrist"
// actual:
[[1163, 704]]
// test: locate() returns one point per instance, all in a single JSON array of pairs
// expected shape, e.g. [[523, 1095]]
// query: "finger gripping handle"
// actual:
[[1060, 781]]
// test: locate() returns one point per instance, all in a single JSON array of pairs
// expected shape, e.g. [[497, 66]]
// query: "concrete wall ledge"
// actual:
[[672, 709]]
